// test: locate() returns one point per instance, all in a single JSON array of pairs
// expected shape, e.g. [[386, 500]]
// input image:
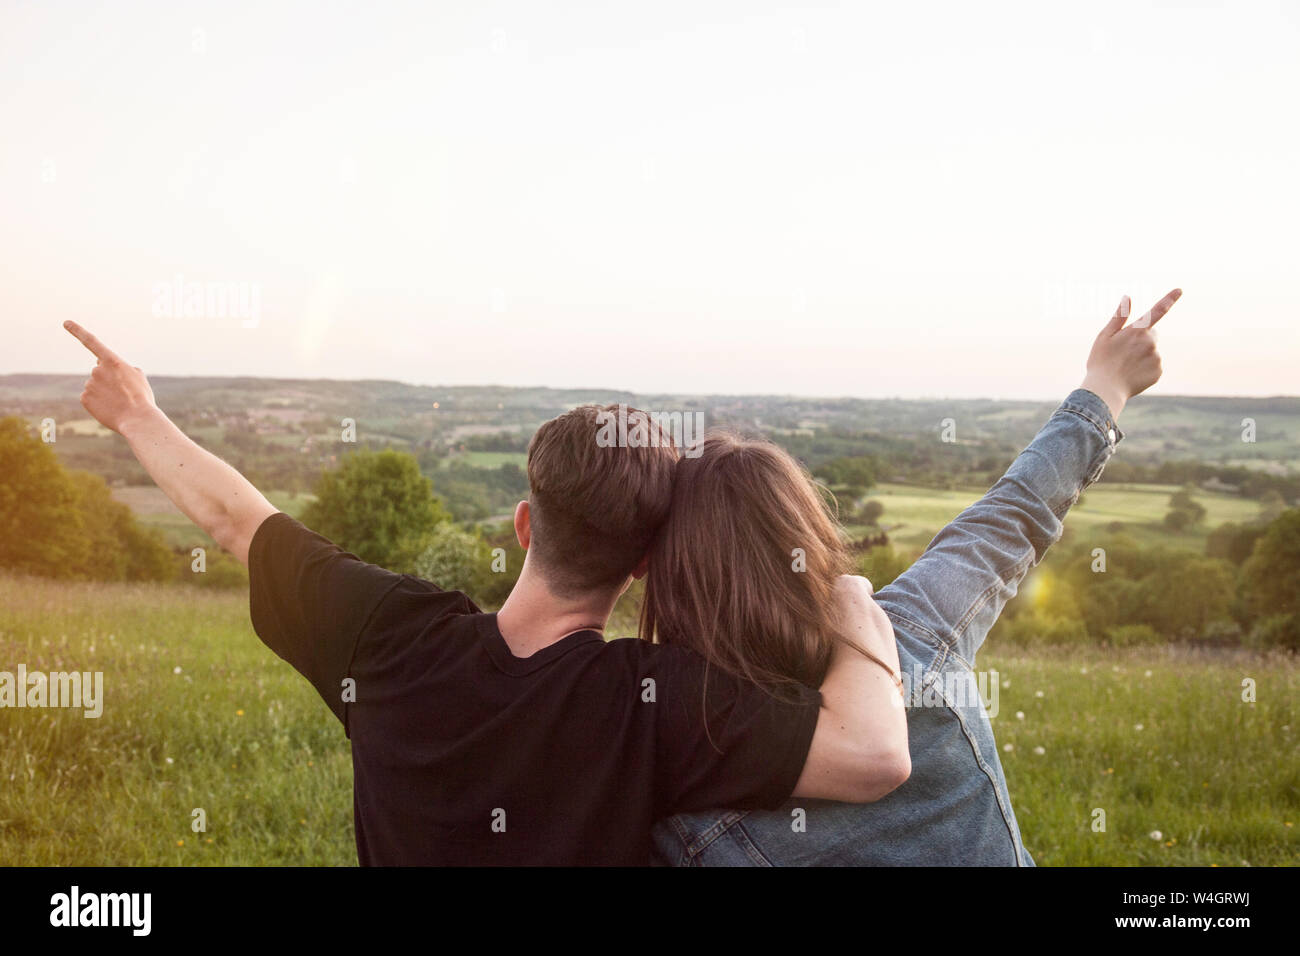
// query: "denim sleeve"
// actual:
[[955, 591]]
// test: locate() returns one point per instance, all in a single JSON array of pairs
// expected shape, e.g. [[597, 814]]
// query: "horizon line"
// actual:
[[599, 388]]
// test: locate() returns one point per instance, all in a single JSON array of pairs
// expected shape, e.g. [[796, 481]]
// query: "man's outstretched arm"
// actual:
[[213, 495], [959, 586]]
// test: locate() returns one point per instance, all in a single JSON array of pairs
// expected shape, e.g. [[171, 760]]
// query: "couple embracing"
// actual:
[[758, 718]]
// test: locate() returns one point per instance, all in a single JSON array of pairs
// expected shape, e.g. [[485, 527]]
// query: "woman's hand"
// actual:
[[1124, 361]]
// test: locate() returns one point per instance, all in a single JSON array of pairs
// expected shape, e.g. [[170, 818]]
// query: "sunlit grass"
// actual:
[[1163, 742], [237, 733]]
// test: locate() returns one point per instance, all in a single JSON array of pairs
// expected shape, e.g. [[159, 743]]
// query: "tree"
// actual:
[[858, 472], [1185, 592], [871, 511], [1184, 511], [372, 503], [65, 524], [40, 524], [1277, 630], [1270, 578], [452, 558], [117, 547], [1271, 505], [1233, 542]]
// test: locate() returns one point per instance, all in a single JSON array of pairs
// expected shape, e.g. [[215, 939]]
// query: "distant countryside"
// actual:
[[1148, 665]]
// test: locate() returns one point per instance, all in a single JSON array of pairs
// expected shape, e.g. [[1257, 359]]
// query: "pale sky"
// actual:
[[866, 199]]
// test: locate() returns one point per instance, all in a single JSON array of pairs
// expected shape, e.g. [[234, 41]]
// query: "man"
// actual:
[[521, 737], [954, 809]]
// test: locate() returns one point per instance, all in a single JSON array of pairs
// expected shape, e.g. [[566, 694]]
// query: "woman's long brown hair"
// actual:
[[744, 570]]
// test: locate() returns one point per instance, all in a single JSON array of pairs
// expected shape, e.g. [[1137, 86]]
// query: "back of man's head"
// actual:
[[599, 490]]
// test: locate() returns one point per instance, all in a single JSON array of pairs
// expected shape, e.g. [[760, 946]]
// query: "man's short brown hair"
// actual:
[[595, 506]]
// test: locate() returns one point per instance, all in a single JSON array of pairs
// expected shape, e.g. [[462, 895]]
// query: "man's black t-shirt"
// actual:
[[465, 754]]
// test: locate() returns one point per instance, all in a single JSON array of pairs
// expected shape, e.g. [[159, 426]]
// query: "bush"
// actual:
[[871, 511], [223, 572], [453, 559], [881, 565], [1222, 632], [1036, 629], [1277, 631], [1133, 635]]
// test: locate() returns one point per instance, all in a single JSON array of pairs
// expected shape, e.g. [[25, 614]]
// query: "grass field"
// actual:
[[199, 714], [916, 514], [486, 459]]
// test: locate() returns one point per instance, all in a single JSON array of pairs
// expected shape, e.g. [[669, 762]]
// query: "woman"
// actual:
[[748, 573], [751, 572]]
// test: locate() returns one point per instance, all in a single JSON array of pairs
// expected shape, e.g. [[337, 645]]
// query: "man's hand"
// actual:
[[213, 495], [859, 748], [116, 393], [1124, 361]]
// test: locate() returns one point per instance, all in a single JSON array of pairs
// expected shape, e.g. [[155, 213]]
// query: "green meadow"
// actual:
[[914, 515], [486, 459], [199, 715]]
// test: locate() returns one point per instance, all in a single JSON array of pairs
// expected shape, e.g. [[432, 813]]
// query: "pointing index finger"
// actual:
[[97, 348], [1158, 310]]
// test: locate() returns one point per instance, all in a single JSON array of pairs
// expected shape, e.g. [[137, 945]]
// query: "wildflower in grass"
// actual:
[[1083, 670], [170, 760], [239, 713], [1006, 684], [1008, 747], [1110, 769], [1156, 835], [1020, 715], [1039, 693], [1040, 751], [176, 669], [1137, 727], [1286, 823], [1147, 674], [180, 842]]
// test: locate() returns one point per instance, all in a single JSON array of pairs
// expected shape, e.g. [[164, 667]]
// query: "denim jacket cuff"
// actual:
[[1093, 409]]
